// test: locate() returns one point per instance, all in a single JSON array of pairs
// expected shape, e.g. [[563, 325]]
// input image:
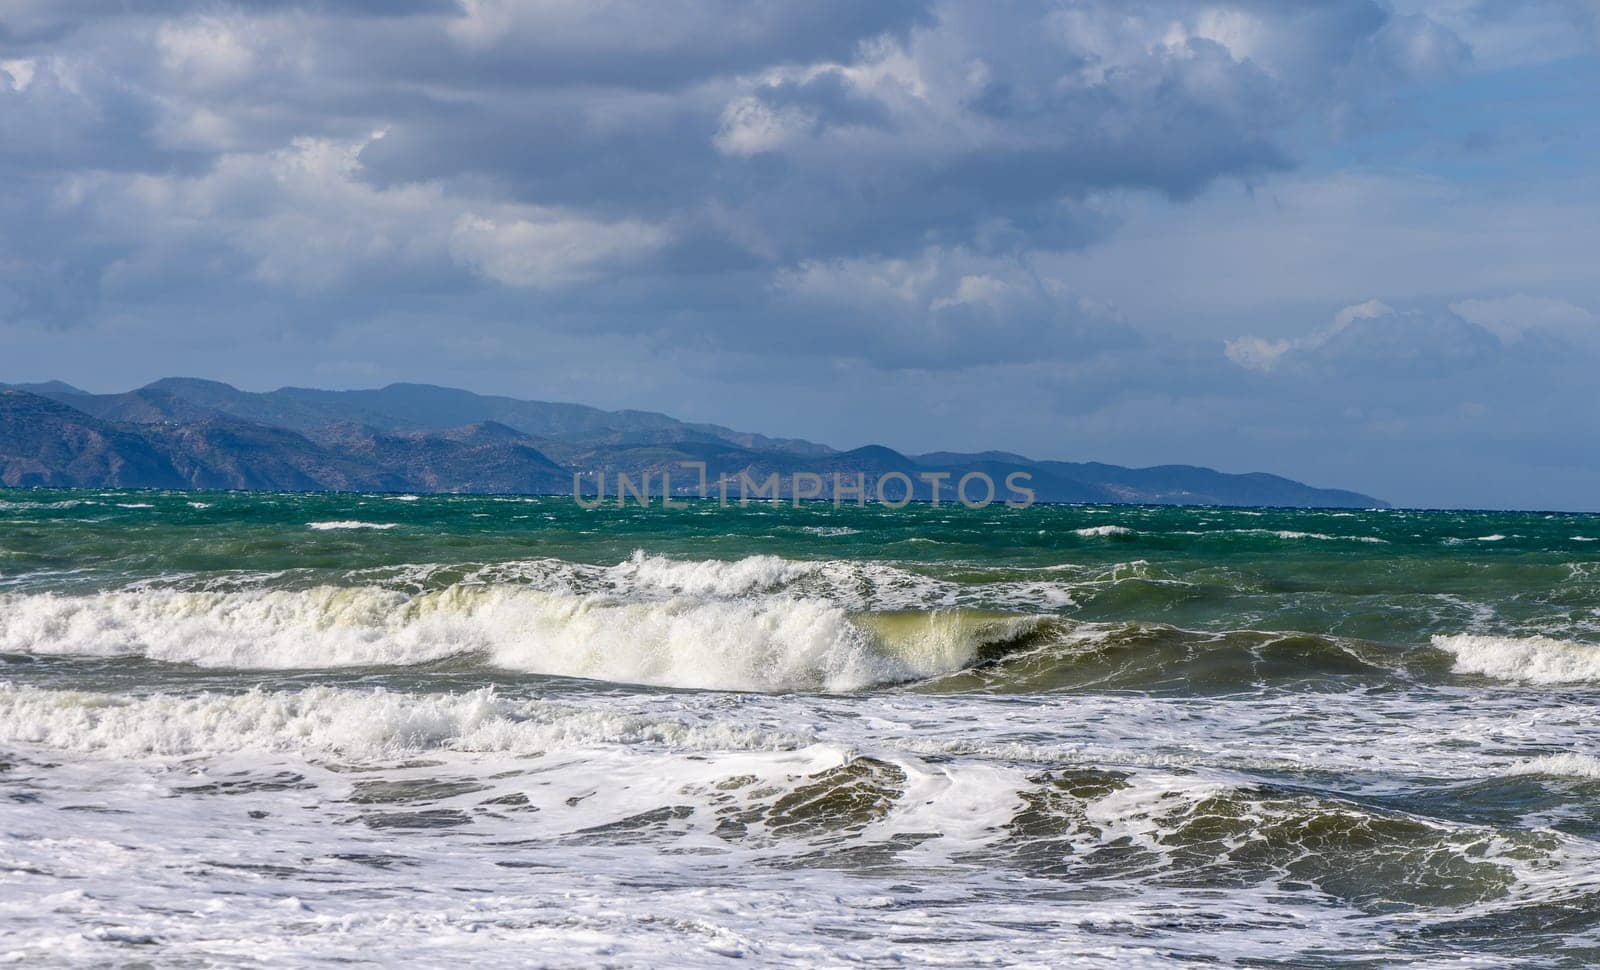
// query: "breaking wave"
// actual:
[[767, 644], [1102, 530], [1566, 765], [1534, 660], [348, 722]]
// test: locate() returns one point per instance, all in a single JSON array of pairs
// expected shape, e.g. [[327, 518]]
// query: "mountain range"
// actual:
[[189, 433]]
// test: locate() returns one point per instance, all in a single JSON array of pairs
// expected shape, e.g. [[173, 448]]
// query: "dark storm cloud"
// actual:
[[714, 135]]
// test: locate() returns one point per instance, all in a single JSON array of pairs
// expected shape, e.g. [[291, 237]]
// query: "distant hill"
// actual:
[[189, 433], [398, 407]]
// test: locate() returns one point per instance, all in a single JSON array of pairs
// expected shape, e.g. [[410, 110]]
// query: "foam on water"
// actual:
[[767, 644], [348, 524], [852, 585], [1567, 765], [353, 724], [1103, 530], [1296, 534], [1534, 660]]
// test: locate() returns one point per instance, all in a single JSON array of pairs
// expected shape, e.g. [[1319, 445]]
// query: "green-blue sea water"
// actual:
[[311, 728]]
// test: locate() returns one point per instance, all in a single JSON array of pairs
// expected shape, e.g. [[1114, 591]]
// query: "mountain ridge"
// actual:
[[195, 433]]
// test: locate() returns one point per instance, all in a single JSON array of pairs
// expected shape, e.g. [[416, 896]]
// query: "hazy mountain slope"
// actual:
[[185, 432], [1191, 485], [147, 405], [44, 442], [46, 387], [397, 407]]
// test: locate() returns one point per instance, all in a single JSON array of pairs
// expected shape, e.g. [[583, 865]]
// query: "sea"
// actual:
[[247, 729]]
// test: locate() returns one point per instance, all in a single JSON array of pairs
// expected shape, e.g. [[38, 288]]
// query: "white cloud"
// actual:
[[1372, 337], [1505, 34], [1513, 317], [546, 249], [1256, 353], [1370, 310], [206, 51], [947, 308], [18, 73], [299, 216], [751, 127]]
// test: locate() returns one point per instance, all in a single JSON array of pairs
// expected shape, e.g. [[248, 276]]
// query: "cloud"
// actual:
[[1509, 33], [944, 309], [206, 52], [1373, 339], [774, 134], [1256, 353], [751, 127], [548, 249], [1521, 316]]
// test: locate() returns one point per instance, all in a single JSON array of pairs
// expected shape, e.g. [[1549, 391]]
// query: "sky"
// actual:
[[1352, 242]]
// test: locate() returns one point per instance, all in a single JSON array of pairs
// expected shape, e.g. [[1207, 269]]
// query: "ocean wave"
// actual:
[[1154, 657], [1566, 765], [349, 524], [1280, 534], [1320, 536], [830, 531], [1534, 660], [347, 722], [740, 577], [1103, 530], [860, 586], [769, 644]]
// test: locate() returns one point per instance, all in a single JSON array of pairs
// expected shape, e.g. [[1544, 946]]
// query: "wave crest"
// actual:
[[1534, 660], [766, 644], [350, 723]]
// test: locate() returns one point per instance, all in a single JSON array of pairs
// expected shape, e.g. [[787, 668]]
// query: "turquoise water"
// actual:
[[317, 728]]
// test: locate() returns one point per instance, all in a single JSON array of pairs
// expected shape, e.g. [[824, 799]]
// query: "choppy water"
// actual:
[[305, 729]]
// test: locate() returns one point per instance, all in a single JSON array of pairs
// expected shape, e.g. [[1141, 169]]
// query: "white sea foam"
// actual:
[[1566, 765], [1320, 536], [349, 524], [1103, 530], [830, 531], [1536, 660], [709, 577], [352, 723], [853, 585], [769, 644]]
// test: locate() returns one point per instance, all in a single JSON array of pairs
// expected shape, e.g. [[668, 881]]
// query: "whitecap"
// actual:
[[1103, 530], [1566, 765], [768, 644], [1535, 660]]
